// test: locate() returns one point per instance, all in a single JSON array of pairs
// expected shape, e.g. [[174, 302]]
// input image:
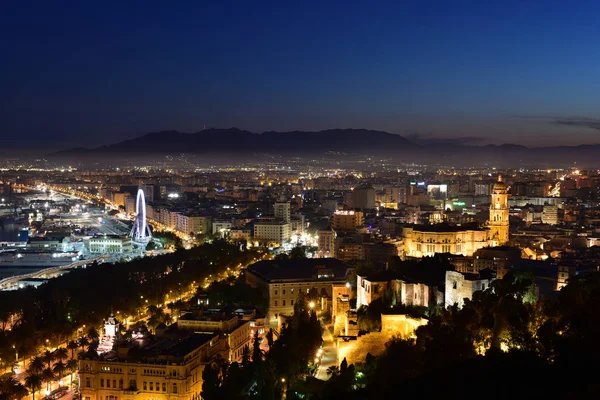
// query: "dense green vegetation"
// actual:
[[269, 375], [501, 344], [54, 311]]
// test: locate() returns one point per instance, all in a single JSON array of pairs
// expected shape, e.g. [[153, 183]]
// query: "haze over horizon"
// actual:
[[84, 75]]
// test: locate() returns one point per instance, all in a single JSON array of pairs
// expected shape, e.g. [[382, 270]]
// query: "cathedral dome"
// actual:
[[499, 186]]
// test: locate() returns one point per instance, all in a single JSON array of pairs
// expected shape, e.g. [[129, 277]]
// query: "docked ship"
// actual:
[[42, 259]]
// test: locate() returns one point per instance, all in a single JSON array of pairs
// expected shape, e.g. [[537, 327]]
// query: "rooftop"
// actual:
[[300, 269], [445, 228]]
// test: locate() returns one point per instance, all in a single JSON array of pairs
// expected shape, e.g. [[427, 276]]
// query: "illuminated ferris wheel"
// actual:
[[140, 231]]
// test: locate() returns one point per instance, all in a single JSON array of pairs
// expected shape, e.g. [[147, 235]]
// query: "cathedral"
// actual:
[[498, 223], [427, 240]]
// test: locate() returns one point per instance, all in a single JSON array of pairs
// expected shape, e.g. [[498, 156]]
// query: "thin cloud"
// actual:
[[591, 123], [584, 122]]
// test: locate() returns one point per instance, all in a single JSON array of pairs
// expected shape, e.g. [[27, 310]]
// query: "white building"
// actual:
[[110, 244], [282, 211], [197, 224], [550, 215], [326, 243], [461, 286], [221, 226], [273, 231]]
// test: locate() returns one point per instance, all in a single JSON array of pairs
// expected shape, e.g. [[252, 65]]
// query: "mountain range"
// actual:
[[340, 142]]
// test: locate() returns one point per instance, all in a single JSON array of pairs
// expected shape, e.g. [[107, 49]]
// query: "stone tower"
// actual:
[[499, 213]]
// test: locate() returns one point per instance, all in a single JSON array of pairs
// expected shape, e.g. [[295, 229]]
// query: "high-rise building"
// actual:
[[282, 211], [550, 214], [344, 220], [326, 242], [363, 197], [272, 231], [499, 213]]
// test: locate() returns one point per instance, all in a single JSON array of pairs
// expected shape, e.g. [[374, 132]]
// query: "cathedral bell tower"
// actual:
[[499, 213]]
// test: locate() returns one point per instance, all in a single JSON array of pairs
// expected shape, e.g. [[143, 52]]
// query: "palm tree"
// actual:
[[72, 366], [83, 343], [7, 385], [48, 376], [34, 383], [93, 334], [72, 346], [36, 365], [59, 369], [48, 358], [61, 353], [19, 391]]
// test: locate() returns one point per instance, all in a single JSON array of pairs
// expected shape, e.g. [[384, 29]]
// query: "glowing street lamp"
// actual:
[[311, 304]]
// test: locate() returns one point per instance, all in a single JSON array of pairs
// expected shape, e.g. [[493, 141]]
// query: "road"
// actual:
[[47, 273], [329, 357]]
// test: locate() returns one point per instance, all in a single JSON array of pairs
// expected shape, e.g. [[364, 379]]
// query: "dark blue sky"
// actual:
[[89, 73]]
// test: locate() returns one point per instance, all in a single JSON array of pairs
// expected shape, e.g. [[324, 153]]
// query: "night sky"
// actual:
[[90, 73]]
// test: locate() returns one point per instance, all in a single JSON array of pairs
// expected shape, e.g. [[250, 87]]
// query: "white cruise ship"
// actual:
[[25, 258]]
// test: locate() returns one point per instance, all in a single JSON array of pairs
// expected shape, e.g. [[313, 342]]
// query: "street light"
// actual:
[[311, 304]]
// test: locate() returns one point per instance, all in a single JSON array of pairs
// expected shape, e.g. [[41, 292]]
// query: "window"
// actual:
[[175, 388], [292, 290], [87, 382], [101, 382], [275, 303], [133, 384], [114, 383], [145, 386], [284, 303], [157, 386], [275, 292], [164, 385], [108, 383], [292, 302], [120, 383], [454, 285], [307, 290], [151, 385], [282, 291]]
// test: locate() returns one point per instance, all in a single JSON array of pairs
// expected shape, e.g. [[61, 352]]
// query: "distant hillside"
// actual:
[[245, 144], [235, 140]]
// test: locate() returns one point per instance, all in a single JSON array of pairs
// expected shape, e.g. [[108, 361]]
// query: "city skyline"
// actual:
[[475, 73]]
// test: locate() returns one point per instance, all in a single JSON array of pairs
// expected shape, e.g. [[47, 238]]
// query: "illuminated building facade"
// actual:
[[282, 211], [282, 281], [347, 220], [165, 368], [236, 331], [272, 231], [499, 211], [197, 224], [110, 244], [326, 243], [461, 286], [427, 240]]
